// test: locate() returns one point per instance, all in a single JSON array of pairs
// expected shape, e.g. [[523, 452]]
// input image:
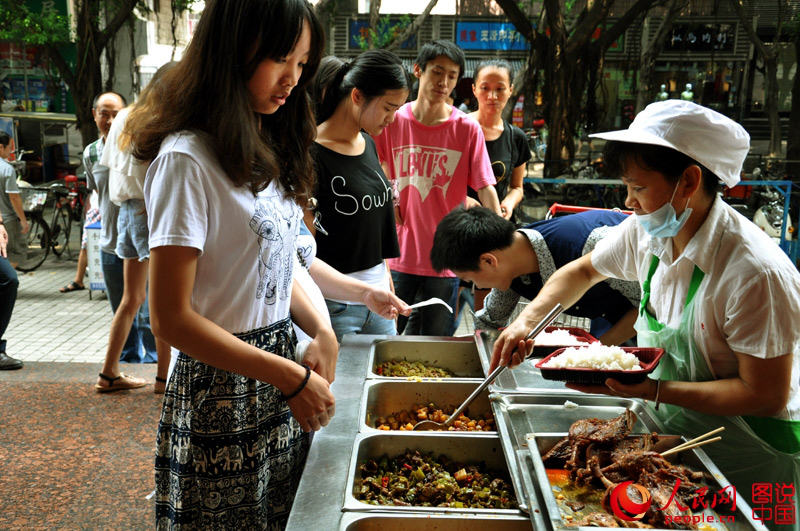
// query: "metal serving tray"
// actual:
[[694, 458], [537, 413], [517, 415], [382, 398], [457, 354], [468, 448], [525, 378], [432, 522]]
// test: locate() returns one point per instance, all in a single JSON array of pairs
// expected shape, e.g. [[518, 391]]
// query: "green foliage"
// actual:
[[386, 32], [19, 24]]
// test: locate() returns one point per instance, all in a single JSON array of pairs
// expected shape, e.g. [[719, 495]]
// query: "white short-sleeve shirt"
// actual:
[[247, 242], [126, 172], [749, 301]]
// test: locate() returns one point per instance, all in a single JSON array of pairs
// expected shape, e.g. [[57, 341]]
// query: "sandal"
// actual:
[[160, 386], [119, 383], [72, 286]]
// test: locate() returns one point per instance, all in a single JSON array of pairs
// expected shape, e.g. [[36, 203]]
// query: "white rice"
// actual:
[[560, 338], [594, 356]]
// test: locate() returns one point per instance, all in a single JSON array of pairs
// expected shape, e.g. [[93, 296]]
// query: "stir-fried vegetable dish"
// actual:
[[423, 480], [405, 420], [405, 368]]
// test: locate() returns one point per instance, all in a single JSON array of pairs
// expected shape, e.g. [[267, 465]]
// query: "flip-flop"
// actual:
[[72, 286], [118, 384]]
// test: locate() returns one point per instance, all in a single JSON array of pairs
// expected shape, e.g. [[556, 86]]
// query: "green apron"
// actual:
[[743, 455]]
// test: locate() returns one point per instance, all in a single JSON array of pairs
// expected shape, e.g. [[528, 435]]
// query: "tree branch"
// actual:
[[748, 27], [124, 12], [625, 21], [518, 18], [61, 64], [412, 28]]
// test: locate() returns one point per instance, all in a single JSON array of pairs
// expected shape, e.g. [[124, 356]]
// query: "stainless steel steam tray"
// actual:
[[559, 515], [457, 354], [432, 522], [381, 398], [517, 415], [466, 448]]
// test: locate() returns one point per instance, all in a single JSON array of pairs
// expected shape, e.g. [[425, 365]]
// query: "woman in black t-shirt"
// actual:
[[507, 146], [354, 197]]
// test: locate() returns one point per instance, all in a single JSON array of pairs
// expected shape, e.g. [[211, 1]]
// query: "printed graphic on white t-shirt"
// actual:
[[277, 232], [424, 167]]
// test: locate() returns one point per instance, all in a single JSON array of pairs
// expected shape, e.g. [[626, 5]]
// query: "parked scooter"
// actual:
[[769, 216]]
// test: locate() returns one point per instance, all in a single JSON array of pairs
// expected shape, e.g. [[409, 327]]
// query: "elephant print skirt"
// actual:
[[229, 453]]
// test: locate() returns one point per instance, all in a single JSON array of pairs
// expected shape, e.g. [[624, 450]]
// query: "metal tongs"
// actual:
[[433, 425]]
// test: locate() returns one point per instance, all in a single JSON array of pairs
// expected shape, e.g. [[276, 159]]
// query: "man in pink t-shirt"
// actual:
[[432, 152]]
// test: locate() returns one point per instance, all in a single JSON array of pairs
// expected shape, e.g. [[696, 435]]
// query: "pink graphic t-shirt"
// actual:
[[432, 167]]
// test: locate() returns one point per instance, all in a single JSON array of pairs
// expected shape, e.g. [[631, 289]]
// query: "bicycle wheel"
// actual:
[[38, 244], [60, 231]]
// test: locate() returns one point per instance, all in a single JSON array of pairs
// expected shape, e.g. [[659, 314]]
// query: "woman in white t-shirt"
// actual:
[[355, 199], [228, 132]]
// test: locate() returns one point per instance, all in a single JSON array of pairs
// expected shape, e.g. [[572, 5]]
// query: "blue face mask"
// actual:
[[664, 223]]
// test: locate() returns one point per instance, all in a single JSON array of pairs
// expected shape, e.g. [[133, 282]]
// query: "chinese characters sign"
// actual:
[[774, 503], [489, 36], [701, 38]]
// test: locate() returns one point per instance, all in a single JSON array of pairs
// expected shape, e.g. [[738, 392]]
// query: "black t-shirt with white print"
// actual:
[[355, 202], [507, 152]]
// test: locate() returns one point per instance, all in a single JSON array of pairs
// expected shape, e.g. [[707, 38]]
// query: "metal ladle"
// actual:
[[433, 425]]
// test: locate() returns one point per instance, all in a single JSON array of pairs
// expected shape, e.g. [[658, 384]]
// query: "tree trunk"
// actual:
[[771, 103], [647, 65], [374, 17], [793, 140]]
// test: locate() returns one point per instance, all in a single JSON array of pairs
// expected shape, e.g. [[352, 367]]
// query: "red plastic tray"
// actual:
[[648, 359], [540, 351]]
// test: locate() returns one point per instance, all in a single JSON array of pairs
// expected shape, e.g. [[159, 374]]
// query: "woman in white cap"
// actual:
[[717, 294]]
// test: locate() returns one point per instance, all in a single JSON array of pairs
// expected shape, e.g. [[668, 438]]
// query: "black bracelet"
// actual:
[[302, 385]]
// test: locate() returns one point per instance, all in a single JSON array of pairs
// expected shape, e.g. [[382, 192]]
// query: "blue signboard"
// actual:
[[489, 36], [360, 28]]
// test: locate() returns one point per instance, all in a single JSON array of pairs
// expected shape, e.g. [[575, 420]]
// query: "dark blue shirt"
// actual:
[[563, 240]]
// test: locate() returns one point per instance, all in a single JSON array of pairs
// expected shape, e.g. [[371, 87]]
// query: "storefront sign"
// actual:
[[701, 37], [489, 36]]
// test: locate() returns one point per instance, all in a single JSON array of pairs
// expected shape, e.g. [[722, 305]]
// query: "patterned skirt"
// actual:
[[229, 453]]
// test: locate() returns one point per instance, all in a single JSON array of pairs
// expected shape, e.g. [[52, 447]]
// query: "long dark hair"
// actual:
[[207, 91], [373, 73]]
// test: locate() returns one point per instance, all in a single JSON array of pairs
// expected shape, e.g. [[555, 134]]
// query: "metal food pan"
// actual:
[[432, 522], [466, 448], [382, 398], [457, 354], [555, 413], [695, 458]]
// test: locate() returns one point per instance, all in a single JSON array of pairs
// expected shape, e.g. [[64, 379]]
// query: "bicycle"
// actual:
[[38, 238], [68, 206]]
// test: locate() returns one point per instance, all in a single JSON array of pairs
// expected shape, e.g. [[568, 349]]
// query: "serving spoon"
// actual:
[[433, 425]]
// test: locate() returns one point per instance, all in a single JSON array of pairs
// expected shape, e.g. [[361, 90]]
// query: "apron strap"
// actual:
[[694, 284], [652, 322]]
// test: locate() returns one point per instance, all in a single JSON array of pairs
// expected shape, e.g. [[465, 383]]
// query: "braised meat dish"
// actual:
[[602, 454]]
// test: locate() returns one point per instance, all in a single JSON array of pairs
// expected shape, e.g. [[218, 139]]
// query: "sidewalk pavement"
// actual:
[[61, 327]]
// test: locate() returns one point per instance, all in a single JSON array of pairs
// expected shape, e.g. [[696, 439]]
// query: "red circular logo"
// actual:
[[624, 507]]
